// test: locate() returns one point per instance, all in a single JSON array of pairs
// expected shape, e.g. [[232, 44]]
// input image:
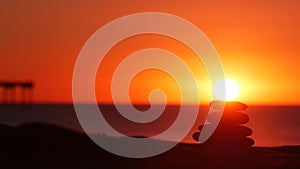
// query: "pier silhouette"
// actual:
[[9, 92]]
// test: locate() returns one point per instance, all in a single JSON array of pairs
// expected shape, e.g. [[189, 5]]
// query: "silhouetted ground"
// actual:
[[46, 146]]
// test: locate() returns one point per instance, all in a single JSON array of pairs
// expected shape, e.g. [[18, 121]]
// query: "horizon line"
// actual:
[[145, 104]]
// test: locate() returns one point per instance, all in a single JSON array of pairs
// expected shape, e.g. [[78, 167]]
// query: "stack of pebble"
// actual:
[[229, 145], [230, 131]]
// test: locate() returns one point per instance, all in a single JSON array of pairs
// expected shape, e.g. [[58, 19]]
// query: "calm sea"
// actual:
[[271, 125]]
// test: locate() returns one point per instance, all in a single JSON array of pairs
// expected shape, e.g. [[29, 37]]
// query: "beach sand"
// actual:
[[39, 145]]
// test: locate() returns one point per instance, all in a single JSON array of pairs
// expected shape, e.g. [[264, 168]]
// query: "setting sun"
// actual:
[[232, 89], [150, 84]]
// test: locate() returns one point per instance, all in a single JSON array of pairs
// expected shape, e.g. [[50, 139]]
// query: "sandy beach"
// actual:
[[47, 146]]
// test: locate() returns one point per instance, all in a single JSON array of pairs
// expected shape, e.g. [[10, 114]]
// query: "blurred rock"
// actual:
[[229, 131]]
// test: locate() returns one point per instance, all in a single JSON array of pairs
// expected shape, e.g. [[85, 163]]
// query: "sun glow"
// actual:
[[232, 90]]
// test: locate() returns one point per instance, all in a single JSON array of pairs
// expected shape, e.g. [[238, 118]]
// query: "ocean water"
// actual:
[[271, 125]]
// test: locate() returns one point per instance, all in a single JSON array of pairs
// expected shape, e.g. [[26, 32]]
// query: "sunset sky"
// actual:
[[257, 41]]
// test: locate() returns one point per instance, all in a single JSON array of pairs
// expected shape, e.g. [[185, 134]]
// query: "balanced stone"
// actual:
[[230, 130]]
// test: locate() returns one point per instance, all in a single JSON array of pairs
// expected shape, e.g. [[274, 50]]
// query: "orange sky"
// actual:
[[258, 43]]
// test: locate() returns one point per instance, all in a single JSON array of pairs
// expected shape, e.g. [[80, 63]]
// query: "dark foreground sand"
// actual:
[[46, 146]]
